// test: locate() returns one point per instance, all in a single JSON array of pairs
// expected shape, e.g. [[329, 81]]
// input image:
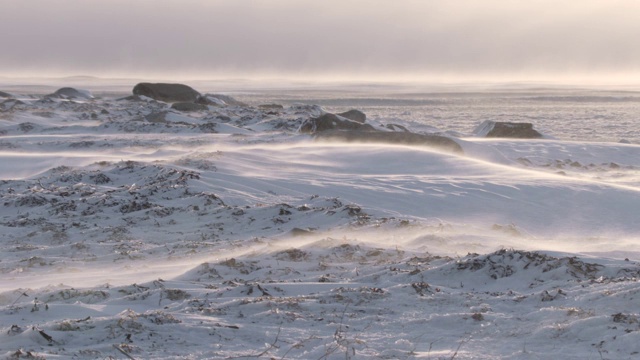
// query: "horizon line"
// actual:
[[444, 79]]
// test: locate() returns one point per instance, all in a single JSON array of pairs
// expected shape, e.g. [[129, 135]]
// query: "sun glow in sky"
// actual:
[[359, 39]]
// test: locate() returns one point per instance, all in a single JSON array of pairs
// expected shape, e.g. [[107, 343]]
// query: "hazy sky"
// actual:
[[360, 38]]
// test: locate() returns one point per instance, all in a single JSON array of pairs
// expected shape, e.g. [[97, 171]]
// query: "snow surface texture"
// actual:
[[132, 230]]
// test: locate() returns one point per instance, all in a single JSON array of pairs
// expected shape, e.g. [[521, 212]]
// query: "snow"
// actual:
[[227, 234]]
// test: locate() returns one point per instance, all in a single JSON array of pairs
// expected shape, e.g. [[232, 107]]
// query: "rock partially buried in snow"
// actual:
[[493, 129], [332, 122], [338, 127], [188, 106], [9, 103], [71, 93], [396, 138], [354, 115], [167, 92], [157, 117], [271, 106]]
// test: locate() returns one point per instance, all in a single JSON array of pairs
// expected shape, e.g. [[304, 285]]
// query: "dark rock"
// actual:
[[10, 103], [209, 128], [81, 144], [354, 115], [5, 95], [271, 106], [492, 129], [167, 92], [300, 232], [157, 117], [188, 106], [219, 99], [71, 93], [397, 138], [332, 122], [26, 126]]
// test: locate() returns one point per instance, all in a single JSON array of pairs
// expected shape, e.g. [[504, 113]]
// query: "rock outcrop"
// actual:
[[157, 116], [350, 127], [188, 106], [332, 122], [271, 106], [167, 92], [396, 138], [493, 129], [354, 115], [9, 104], [71, 93]]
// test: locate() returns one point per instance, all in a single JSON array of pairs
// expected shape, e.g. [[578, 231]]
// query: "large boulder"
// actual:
[[493, 129], [396, 138], [72, 93], [167, 92], [332, 122], [354, 115], [5, 95]]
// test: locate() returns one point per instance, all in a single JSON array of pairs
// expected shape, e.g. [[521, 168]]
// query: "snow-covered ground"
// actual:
[[130, 230]]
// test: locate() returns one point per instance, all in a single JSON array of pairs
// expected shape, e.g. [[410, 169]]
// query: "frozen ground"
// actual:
[[134, 231]]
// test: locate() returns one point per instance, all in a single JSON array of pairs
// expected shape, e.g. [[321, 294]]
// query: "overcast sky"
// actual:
[[360, 38]]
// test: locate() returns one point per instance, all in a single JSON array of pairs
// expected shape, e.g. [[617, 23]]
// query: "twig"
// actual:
[[226, 326], [431, 347], [298, 344], [82, 320], [269, 347], [456, 352], [19, 297], [264, 292], [329, 351], [272, 345], [123, 352], [342, 316], [46, 336], [337, 336], [42, 186]]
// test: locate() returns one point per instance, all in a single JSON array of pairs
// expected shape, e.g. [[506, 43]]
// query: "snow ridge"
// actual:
[[131, 229]]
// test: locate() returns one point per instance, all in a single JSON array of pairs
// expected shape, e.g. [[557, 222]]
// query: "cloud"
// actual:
[[244, 37]]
